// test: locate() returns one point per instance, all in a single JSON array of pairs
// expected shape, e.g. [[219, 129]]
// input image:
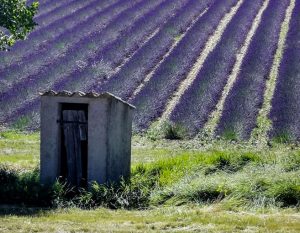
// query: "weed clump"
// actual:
[[167, 130], [22, 187], [173, 131], [228, 162], [286, 193], [127, 194]]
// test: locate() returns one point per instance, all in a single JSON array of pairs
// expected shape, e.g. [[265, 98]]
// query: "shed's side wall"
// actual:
[[119, 140], [97, 143], [50, 142]]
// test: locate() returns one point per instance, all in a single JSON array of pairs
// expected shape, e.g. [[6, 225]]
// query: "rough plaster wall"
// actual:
[[97, 134], [49, 141], [109, 138], [119, 141]]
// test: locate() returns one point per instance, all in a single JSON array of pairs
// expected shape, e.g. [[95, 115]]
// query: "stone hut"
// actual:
[[84, 137]]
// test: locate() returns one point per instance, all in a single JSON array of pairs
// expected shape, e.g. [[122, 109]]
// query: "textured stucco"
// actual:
[[109, 137]]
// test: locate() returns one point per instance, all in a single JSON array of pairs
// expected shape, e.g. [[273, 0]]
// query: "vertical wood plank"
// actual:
[[74, 133]]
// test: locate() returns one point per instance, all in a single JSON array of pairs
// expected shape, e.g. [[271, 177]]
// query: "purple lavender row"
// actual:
[[150, 21], [54, 47], [132, 38], [42, 17], [42, 34], [246, 97], [151, 101], [58, 68], [132, 74], [82, 42], [80, 22], [285, 112], [28, 109], [45, 12], [207, 88], [111, 24], [67, 8], [47, 6], [113, 54]]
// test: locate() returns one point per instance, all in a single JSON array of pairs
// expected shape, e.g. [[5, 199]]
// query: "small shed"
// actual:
[[84, 137]]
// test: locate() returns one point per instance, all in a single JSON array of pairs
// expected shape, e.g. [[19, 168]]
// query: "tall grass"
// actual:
[[22, 187], [235, 179]]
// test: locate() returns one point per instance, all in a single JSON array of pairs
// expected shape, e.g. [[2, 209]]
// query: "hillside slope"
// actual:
[[210, 66]]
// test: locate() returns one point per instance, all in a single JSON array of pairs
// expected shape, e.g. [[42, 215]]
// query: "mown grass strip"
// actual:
[[145, 60], [175, 43], [174, 69], [260, 133], [208, 84], [52, 71], [48, 32], [209, 46], [285, 112], [246, 97], [212, 123]]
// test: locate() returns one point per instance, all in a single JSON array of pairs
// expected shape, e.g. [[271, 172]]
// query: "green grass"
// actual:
[[19, 149], [209, 186], [166, 219]]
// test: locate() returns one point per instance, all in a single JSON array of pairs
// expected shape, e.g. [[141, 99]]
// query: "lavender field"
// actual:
[[196, 63]]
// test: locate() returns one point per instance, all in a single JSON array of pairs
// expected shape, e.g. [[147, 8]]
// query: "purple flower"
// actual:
[[152, 100], [285, 113], [246, 97], [207, 88]]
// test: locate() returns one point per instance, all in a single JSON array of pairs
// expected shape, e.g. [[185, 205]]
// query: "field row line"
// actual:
[[47, 39], [214, 119], [264, 124], [32, 102], [242, 105], [209, 46], [51, 69], [124, 62], [114, 56], [176, 42], [176, 67], [66, 8], [48, 7], [143, 62], [117, 69]]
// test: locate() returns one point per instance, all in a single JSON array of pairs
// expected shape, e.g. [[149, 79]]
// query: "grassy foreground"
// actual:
[[168, 219], [198, 187]]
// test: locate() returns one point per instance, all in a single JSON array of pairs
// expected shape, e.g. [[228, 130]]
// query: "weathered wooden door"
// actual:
[[74, 129]]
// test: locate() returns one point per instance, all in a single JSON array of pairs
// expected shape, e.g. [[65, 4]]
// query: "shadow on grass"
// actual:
[[22, 210], [22, 194]]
